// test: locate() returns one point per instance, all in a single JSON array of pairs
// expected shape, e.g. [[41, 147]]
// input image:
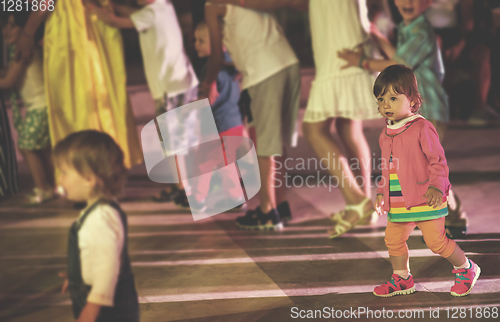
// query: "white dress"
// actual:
[[335, 25]]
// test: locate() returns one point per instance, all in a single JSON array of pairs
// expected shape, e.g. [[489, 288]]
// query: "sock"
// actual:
[[465, 265], [404, 273]]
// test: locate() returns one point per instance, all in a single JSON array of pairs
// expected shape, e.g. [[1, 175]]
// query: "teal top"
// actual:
[[418, 49]]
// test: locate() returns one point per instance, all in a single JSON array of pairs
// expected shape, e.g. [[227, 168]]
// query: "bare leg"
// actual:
[[457, 258], [280, 192], [48, 165], [400, 263], [452, 203], [354, 142], [181, 171], [267, 194], [37, 169], [318, 135], [480, 56]]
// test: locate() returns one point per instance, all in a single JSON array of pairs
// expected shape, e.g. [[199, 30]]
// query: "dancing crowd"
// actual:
[[415, 68]]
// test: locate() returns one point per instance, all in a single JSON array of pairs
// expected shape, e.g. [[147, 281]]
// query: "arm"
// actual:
[[26, 42], [266, 5], [438, 167], [379, 199], [382, 42], [101, 241], [216, 59], [355, 59], [466, 26], [383, 166], [123, 10], [89, 313], [13, 74], [111, 19]]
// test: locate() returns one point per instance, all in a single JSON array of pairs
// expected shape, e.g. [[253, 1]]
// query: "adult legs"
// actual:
[[280, 190], [42, 176], [357, 151], [318, 135], [267, 194], [456, 221]]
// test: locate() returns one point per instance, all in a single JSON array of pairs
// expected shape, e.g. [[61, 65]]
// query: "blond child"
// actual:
[[99, 276]]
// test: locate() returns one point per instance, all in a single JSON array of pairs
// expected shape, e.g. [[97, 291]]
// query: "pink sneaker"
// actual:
[[395, 286], [465, 279]]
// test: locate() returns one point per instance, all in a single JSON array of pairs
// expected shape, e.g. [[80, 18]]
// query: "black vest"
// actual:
[[126, 304]]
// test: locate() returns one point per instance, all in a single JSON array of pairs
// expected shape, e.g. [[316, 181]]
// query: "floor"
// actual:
[[209, 270]]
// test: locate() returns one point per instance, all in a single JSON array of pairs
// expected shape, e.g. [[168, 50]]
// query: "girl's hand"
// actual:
[[66, 282], [379, 202], [434, 197], [350, 56]]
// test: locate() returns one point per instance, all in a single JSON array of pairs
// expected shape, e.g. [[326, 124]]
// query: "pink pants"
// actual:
[[204, 184]]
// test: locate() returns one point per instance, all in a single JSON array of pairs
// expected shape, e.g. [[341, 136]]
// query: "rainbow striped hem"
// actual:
[[398, 211]]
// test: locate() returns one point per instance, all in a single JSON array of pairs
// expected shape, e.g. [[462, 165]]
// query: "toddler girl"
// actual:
[[414, 185]]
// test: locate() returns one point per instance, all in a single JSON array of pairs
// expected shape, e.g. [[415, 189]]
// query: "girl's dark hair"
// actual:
[[402, 81], [97, 153]]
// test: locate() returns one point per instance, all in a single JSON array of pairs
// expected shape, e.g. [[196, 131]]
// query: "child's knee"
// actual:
[[442, 246], [396, 247]]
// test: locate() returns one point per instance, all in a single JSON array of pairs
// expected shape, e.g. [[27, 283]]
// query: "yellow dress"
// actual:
[[85, 78]]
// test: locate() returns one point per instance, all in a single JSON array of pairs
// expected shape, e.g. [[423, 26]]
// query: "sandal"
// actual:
[[368, 221], [344, 226]]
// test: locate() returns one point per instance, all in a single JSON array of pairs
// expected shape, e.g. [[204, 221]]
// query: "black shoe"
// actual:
[[166, 196], [181, 200], [284, 211], [455, 232], [257, 220]]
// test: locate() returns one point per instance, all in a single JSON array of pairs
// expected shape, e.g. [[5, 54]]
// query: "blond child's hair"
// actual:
[[96, 153]]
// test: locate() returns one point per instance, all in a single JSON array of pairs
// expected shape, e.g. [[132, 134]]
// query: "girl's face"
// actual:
[[76, 186], [11, 31], [394, 107], [202, 42]]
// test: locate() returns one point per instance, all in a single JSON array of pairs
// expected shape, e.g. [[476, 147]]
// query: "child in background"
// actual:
[[169, 73], [99, 275], [271, 86], [418, 49], [224, 95], [415, 184], [33, 130]]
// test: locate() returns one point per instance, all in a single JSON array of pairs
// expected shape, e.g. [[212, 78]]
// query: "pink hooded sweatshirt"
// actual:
[[419, 160]]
